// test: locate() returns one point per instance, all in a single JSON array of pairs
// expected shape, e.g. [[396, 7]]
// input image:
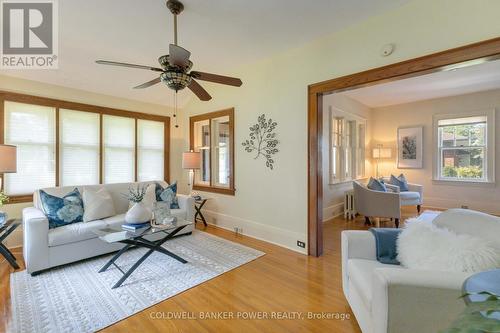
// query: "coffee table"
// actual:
[[131, 239]]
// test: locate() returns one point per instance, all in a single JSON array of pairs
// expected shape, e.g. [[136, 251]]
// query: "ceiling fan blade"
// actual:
[[230, 81], [199, 91], [122, 64], [178, 56], [148, 84]]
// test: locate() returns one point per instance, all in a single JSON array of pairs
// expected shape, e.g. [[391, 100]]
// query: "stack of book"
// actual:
[[135, 226]]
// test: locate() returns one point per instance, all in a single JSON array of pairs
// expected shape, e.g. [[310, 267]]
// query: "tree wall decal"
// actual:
[[263, 140]]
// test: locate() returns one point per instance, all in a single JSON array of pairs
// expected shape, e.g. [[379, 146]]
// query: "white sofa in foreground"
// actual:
[[393, 299], [45, 248]]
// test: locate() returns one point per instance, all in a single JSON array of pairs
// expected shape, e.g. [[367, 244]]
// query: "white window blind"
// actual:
[[150, 150], [32, 129], [119, 149], [79, 147]]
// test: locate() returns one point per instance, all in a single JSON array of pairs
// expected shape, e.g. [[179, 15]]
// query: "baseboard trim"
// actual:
[[444, 204], [270, 234], [333, 211]]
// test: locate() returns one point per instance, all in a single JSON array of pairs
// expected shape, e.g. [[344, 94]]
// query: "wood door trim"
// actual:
[[453, 58]]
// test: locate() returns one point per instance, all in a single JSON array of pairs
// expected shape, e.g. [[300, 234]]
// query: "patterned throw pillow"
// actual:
[[173, 188], [399, 181], [376, 185], [62, 211]]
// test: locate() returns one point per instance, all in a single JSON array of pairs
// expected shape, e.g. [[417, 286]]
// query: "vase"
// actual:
[[138, 213], [3, 217]]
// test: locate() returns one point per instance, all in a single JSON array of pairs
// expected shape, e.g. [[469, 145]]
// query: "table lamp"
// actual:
[[8, 160], [8, 164], [379, 153], [191, 160]]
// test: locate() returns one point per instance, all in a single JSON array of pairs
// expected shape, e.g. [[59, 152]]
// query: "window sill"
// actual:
[[455, 182], [347, 181], [227, 191]]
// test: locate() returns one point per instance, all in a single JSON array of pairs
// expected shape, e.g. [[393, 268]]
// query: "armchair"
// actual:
[[372, 203], [413, 197]]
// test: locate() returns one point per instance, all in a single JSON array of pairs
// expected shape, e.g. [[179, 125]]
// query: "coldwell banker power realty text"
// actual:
[[29, 34]]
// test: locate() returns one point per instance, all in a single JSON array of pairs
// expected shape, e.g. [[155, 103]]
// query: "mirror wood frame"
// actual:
[[464, 56]]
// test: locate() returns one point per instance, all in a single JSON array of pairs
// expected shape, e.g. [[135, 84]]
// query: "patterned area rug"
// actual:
[[76, 298]]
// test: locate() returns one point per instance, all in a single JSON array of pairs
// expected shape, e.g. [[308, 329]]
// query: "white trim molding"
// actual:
[[270, 234], [489, 158]]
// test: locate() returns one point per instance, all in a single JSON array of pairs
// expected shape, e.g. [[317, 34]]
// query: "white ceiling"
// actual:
[[482, 77], [221, 35]]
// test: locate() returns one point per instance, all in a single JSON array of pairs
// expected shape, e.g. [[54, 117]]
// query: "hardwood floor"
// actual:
[[282, 282]]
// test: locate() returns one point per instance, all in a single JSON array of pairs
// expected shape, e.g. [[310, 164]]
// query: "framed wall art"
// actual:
[[410, 147]]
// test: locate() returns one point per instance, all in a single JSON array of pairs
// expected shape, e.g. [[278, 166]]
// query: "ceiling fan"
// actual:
[[176, 66]]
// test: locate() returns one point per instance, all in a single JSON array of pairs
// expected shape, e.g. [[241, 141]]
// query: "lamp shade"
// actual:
[[382, 153], [191, 160], [8, 159]]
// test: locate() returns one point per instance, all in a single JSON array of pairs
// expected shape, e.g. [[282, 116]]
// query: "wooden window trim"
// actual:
[[101, 110], [209, 116]]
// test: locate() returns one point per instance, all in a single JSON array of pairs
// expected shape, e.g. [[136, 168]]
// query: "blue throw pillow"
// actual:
[[376, 185], [399, 181], [172, 187], [62, 211]]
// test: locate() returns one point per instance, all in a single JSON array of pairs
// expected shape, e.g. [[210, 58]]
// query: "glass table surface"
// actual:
[[117, 234]]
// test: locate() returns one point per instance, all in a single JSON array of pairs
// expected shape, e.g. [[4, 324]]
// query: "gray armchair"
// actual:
[[372, 203]]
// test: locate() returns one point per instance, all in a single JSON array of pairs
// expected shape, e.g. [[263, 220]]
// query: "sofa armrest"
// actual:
[[35, 239], [355, 244], [408, 300], [417, 188], [187, 202]]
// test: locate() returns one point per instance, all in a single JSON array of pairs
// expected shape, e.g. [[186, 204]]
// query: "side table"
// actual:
[[198, 205], [5, 230]]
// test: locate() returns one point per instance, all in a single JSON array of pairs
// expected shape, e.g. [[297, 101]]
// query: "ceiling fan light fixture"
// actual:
[[176, 80]]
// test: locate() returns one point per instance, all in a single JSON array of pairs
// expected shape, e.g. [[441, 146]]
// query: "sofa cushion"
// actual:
[[400, 182], [161, 195], [408, 195], [62, 211], [75, 232], [376, 185], [115, 221], [361, 275], [98, 204]]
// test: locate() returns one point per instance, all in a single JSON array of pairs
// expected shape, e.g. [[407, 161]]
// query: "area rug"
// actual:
[[76, 298]]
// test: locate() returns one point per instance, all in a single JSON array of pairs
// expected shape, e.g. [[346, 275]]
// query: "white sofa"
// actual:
[[45, 248], [393, 299]]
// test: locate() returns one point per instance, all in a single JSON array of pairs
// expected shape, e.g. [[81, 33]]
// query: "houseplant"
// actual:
[[3, 200]]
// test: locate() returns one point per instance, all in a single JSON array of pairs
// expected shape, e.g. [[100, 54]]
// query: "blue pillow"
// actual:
[[62, 211], [376, 185], [399, 181], [172, 187]]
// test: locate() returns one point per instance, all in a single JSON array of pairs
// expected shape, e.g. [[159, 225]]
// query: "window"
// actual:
[[212, 135], [78, 147], [32, 129], [151, 150], [347, 146], [464, 151], [68, 144], [119, 149]]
